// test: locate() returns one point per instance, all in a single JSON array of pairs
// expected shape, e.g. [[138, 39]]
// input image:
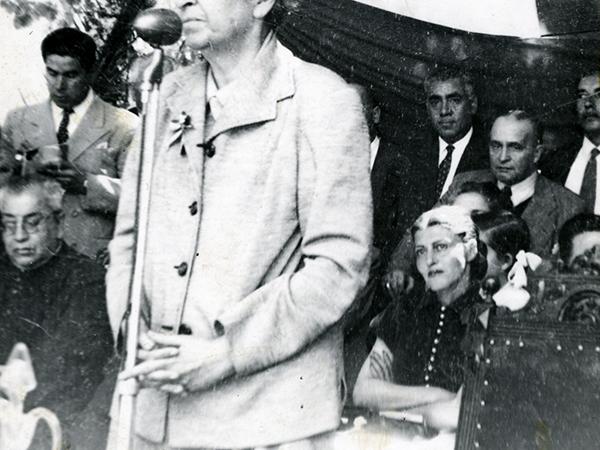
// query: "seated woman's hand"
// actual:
[[443, 415]]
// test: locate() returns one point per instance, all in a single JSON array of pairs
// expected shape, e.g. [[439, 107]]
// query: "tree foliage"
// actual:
[[107, 21]]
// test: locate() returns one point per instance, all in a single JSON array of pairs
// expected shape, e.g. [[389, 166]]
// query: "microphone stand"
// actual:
[[150, 108]]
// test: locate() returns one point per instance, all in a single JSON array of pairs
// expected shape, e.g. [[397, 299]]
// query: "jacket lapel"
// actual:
[[476, 155], [188, 100], [39, 127], [90, 129], [540, 211], [253, 96]]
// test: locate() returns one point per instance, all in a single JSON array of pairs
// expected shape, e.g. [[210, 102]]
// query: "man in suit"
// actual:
[[409, 180], [545, 206], [514, 154], [576, 167], [258, 240], [52, 299], [79, 139]]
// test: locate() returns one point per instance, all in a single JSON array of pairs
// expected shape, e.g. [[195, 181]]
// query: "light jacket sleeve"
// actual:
[[285, 315], [104, 189], [122, 246]]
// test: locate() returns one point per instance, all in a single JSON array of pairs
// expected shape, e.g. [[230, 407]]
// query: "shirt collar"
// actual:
[[459, 305], [217, 96], [213, 94], [522, 190], [587, 146], [78, 110], [459, 146]]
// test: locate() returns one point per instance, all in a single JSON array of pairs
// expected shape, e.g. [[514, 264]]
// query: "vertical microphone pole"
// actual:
[[158, 27], [150, 101]]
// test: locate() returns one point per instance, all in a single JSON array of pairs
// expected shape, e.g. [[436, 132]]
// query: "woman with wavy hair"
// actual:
[[417, 361]]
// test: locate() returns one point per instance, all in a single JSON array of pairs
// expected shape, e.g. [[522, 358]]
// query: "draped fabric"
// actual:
[[391, 55]]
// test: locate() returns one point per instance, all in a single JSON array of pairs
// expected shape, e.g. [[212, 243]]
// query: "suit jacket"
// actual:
[[403, 181], [549, 208], [271, 237], [557, 165], [97, 148]]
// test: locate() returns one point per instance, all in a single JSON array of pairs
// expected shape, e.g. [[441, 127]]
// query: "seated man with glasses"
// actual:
[[52, 299]]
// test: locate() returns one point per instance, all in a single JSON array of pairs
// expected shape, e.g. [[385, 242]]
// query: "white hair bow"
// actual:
[[513, 294]]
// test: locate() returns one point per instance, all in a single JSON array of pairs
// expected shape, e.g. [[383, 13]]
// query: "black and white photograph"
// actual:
[[299, 224]]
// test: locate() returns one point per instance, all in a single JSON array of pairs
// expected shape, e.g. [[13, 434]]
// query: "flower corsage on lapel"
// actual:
[[177, 127]]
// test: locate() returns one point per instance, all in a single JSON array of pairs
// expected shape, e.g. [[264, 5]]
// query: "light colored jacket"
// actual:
[[97, 148], [275, 230]]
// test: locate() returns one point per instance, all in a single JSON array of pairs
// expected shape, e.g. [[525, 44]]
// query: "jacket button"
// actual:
[[208, 148], [182, 269], [193, 208], [184, 329]]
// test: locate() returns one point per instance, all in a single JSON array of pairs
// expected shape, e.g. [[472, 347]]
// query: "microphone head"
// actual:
[[158, 26]]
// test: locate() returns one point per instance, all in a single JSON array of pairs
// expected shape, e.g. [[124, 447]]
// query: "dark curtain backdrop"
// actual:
[[391, 54]]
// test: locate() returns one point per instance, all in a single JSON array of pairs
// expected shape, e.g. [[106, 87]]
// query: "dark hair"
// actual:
[[506, 232], [579, 224], [451, 73], [280, 12], [486, 189], [71, 42]]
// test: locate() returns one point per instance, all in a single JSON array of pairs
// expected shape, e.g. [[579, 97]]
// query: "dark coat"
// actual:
[[556, 165], [58, 310], [403, 181]]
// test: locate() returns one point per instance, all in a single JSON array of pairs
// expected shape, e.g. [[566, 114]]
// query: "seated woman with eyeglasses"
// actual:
[[417, 360]]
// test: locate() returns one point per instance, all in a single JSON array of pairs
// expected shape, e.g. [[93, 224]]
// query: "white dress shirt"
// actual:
[[78, 113], [459, 149], [374, 149], [523, 190], [575, 177]]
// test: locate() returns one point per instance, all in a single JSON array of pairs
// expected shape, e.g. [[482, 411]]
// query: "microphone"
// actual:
[[158, 26]]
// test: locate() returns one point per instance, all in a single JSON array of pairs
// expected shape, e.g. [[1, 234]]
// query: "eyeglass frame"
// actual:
[[29, 228]]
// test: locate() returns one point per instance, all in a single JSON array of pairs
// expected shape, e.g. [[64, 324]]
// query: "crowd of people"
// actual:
[[275, 233]]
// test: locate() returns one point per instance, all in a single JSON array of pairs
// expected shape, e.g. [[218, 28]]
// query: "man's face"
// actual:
[[513, 150], [450, 109], [441, 258], [583, 242], [215, 24], [68, 83], [30, 230], [588, 104]]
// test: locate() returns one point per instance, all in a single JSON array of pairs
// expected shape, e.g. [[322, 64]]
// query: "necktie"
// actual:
[[505, 198], [588, 185], [62, 135], [443, 170]]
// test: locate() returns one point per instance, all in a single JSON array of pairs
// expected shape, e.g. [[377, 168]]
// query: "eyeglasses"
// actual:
[[30, 224]]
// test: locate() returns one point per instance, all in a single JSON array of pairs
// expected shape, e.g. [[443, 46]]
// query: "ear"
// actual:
[[474, 104], [508, 262], [470, 249], [262, 8], [538, 153], [376, 115]]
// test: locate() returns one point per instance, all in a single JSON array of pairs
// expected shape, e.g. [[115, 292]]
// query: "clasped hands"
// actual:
[[179, 364], [69, 176]]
